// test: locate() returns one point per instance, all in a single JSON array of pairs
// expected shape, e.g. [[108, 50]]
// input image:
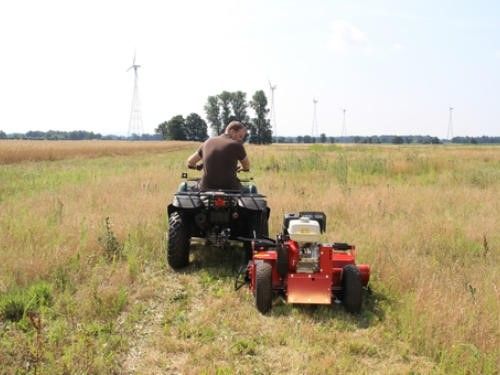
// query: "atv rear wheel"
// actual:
[[178, 241], [352, 289], [263, 287]]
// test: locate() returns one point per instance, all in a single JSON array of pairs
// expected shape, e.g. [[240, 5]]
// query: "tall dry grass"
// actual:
[[425, 218], [14, 151]]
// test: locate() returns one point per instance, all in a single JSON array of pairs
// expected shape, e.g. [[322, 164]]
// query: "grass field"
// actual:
[[84, 287]]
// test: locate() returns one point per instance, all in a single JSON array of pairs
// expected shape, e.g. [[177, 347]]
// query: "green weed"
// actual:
[[113, 249]]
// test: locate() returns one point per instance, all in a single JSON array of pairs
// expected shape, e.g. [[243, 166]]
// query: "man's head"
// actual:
[[236, 130]]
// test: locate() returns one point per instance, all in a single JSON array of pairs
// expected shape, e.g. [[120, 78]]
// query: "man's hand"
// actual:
[[245, 165], [241, 169], [192, 160], [198, 167]]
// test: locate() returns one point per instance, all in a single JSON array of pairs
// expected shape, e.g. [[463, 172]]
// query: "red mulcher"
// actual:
[[303, 270]]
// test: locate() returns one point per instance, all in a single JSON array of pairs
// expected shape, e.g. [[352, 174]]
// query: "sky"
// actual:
[[395, 66]]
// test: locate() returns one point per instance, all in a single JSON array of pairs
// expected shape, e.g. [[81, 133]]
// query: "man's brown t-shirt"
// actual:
[[220, 159]]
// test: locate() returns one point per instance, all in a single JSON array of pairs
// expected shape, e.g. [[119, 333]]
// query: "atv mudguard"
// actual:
[[184, 202], [187, 201], [252, 203]]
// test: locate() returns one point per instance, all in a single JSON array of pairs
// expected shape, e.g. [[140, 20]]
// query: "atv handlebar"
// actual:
[[199, 167], [240, 169]]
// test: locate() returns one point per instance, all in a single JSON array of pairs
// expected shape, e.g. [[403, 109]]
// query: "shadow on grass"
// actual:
[[223, 264], [372, 312]]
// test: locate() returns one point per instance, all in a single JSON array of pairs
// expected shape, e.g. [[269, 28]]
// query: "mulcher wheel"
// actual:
[[352, 289], [178, 241], [263, 287]]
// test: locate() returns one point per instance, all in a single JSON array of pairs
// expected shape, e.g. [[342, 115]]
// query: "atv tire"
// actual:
[[263, 287], [352, 289], [178, 241]]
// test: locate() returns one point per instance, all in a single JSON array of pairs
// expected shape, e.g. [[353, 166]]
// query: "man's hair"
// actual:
[[234, 125]]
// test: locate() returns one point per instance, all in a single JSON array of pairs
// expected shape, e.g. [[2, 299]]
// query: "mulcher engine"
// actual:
[[306, 232]]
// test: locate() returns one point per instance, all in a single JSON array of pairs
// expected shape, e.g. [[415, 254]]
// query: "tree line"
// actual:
[[386, 139], [220, 110], [323, 138], [74, 135]]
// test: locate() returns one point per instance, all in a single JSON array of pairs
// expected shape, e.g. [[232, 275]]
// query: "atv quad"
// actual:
[[217, 216]]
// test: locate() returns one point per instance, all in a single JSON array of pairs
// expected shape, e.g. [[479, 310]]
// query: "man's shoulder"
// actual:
[[220, 139]]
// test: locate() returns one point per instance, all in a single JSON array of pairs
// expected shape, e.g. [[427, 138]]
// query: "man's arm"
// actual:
[[245, 164], [193, 159]]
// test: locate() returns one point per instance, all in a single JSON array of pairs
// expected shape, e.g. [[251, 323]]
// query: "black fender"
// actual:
[[171, 208], [252, 203], [186, 201]]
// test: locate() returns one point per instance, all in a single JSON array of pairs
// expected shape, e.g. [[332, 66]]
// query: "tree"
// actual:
[[3, 135], [225, 98], [196, 128], [397, 140], [322, 138], [260, 129], [436, 141], [239, 106], [225, 107], [38, 134], [174, 129], [212, 110], [162, 130]]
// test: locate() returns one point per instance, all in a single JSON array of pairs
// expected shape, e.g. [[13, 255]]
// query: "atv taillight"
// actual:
[[219, 202]]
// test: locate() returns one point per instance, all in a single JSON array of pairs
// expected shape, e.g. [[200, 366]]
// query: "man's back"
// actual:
[[220, 159]]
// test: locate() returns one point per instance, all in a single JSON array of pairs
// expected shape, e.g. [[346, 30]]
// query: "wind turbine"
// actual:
[[315, 119], [449, 135], [343, 134], [135, 122], [273, 110]]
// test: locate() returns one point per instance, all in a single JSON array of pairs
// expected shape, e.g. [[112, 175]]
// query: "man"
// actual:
[[220, 157]]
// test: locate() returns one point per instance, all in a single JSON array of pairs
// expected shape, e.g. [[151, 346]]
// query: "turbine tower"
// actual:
[[273, 110], [343, 134], [315, 119], [449, 135], [135, 122]]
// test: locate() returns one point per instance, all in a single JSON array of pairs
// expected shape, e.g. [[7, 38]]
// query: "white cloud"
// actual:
[[497, 54], [397, 46], [344, 36]]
